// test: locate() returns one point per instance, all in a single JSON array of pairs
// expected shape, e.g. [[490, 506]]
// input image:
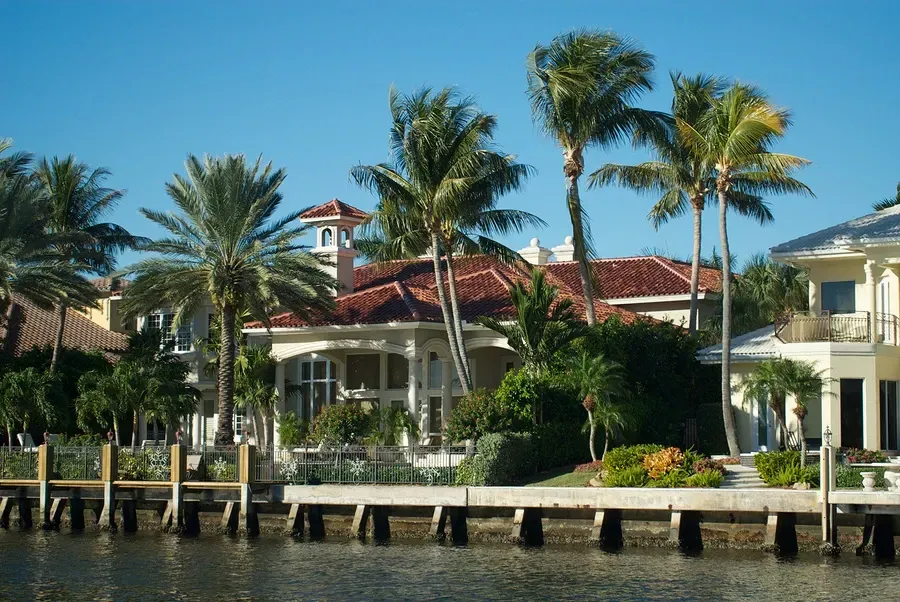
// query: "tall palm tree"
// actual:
[[78, 201], [438, 194], [771, 381], [601, 386], [887, 203], [735, 136], [225, 243], [582, 87], [806, 385], [683, 180], [30, 394], [543, 325]]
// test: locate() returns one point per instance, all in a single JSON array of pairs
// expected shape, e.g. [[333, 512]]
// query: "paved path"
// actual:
[[742, 477]]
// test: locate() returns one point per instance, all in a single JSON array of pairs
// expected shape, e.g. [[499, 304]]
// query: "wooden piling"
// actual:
[[56, 512], [381, 526], [230, 518], [76, 511], [5, 510], [360, 522], [527, 526], [129, 516], [45, 472], [607, 529], [191, 518], [883, 537], [781, 533], [109, 472], [438, 524], [459, 528], [316, 522], [294, 523], [249, 521], [25, 521]]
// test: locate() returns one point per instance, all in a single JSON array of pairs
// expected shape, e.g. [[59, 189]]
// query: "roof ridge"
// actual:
[[660, 261], [407, 299], [502, 278]]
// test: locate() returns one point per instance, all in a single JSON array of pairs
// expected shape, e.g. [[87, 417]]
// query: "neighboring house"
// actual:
[[385, 343], [850, 331]]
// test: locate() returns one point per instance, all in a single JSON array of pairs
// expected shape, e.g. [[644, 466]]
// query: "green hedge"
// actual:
[[782, 469], [560, 444], [711, 429], [502, 458], [849, 477]]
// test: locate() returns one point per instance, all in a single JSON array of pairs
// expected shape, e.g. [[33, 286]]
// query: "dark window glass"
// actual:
[[363, 371], [839, 297], [398, 371]]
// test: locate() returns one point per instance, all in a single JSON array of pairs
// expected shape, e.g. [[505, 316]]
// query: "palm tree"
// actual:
[[30, 394], [601, 385], [78, 202], [735, 136], [888, 202], [582, 87], [108, 396], [438, 195], [226, 244], [543, 325], [254, 387], [771, 380], [806, 385], [683, 180]]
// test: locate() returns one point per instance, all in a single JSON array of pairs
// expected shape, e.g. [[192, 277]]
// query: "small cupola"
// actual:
[[534, 253], [335, 223]]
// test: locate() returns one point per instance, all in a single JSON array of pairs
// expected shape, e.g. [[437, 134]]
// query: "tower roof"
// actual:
[[334, 208]]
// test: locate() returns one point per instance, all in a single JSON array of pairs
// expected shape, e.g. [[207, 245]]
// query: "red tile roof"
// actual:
[[334, 208], [29, 326]]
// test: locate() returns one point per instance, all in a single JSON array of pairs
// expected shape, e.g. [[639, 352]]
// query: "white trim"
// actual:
[[829, 253], [341, 218], [483, 342], [343, 327], [656, 298], [289, 351]]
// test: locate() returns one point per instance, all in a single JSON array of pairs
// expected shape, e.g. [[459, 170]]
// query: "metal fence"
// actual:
[[145, 463], [217, 464], [18, 463], [415, 465], [76, 463]]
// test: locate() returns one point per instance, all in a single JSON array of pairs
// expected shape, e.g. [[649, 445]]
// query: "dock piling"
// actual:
[[294, 524], [316, 522], [607, 529], [5, 510], [438, 524], [230, 518], [45, 471], [360, 522], [76, 511], [25, 521], [129, 516], [56, 511], [527, 526], [191, 518], [381, 526], [109, 472], [459, 528], [781, 533]]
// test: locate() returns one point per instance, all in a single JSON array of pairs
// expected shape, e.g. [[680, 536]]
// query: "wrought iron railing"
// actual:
[[218, 464], [18, 463], [414, 465], [76, 463], [150, 463], [810, 327], [888, 328]]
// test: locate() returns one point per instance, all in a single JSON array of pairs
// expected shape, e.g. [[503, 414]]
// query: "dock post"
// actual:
[[381, 526], [25, 521], [527, 526], [76, 510], [249, 521], [230, 518], [438, 524], [45, 472], [781, 533], [360, 522], [827, 479], [109, 470], [192, 518], [316, 522], [5, 509], [129, 516], [684, 530], [173, 517], [883, 537], [56, 511], [607, 529], [459, 528], [294, 524], [674, 528]]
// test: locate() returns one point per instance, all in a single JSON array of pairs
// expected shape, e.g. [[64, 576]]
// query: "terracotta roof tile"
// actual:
[[29, 326], [334, 208]]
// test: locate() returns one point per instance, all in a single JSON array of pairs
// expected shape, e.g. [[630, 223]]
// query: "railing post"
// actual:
[[246, 477], [45, 471], [109, 471], [177, 463]]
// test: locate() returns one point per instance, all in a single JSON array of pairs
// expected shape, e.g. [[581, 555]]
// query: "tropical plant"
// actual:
[[683, 180], [734, 136], [77, 201], [482, 412], [341, 424], [544, 324], [390, 424], [254, 387], [888, 202], [771, 381], [438, 195], [291, 429], [601, 388], [807, 386], [582, 87], [27, 395], [226, 244]]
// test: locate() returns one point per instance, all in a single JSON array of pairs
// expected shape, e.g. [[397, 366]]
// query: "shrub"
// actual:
[[554, 398], [341, 424], [625, 456], [711, 429], [590, 467], [292, 430], [82, 440], [466, 472], [630, 476], [675, 477], [730, 461], [691, 457], [863, 456], [705, 478], [559, 444], [770, 464], [851, 478], [709, 465], [502, 459], [482, 412], [659, 463]]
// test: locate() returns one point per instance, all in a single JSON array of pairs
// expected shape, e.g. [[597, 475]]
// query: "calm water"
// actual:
[[148, 566]]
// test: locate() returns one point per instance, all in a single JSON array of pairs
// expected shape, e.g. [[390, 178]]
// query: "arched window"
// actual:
[[345, 238], [326, 237]]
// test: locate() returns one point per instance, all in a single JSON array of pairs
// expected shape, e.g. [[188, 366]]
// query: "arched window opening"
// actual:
[[326, 237], [345, 238]]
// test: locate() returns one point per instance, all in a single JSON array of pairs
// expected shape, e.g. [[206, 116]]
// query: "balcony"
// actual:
[[853, 327]]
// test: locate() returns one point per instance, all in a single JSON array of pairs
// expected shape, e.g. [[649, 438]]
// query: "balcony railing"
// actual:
[[855, 327]]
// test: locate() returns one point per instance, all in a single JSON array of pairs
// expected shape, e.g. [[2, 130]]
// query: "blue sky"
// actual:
[[135, 86]]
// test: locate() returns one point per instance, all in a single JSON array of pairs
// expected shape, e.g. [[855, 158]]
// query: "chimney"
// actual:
[[565, 251], [534, 253], [335, 224]]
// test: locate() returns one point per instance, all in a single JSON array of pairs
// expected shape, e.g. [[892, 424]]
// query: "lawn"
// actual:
[[561, 477]]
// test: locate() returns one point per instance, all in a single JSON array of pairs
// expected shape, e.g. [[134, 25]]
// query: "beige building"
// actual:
[[850, 332]]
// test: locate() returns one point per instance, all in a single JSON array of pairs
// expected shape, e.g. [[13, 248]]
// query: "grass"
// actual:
[[561, 477]]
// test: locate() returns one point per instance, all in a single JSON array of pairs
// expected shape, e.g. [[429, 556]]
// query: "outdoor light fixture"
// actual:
[[827, 435]]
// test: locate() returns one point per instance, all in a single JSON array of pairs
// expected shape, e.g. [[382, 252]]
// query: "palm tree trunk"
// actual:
[[695, 266], [734, 448], [457, 320], [448, 317], [608, 435], [60, 329], [802, 443], [591, 442], [573, 167], [134, 430], [225, 427], [255, 421], [9, 434], [116, 429]]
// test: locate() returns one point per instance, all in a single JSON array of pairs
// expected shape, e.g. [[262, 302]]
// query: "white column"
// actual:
[[279, 406], [196, 425], [871, 299], [813, 297], [412, 390]]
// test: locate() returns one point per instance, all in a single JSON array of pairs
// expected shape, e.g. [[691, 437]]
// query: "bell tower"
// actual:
[[335, 223]]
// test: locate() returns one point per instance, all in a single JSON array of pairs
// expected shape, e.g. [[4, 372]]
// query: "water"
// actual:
[[155, 566]]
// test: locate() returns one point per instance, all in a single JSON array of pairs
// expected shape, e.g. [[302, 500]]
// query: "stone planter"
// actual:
[[891, 477], [868, 480]]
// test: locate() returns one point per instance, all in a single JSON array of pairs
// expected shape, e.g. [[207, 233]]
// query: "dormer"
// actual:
[[335, 223]]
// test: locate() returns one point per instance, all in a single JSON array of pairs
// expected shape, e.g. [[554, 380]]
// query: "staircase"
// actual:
[[742, 477]]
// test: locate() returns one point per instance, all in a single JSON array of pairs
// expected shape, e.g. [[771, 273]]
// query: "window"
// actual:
[[397, 371], [839, 297], [398, 404], [363, 371], [345, 238], [435, 371], [318, 387], [240, 421], [851, 412], [163, 322], [890, 417], [326, 237]]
